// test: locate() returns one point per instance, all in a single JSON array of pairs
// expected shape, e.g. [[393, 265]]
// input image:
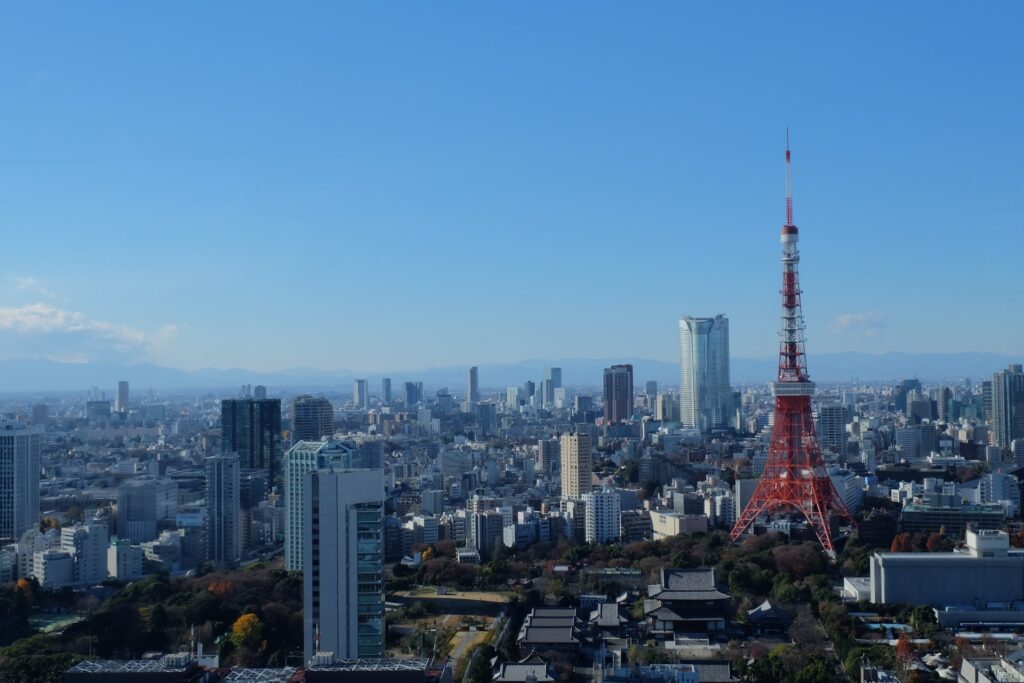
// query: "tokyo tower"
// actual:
[[794, 477]]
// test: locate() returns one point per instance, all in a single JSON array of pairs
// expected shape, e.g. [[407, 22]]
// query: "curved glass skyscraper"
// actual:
[[705, 397]]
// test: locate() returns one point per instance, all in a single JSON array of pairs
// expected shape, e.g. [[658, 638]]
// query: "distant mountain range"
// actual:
[[37, 376]]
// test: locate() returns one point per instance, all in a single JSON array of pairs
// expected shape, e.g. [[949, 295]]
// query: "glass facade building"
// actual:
[[705, 397]]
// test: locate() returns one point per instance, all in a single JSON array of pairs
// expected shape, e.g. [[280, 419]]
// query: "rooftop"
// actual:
[[261, 675], [702, 579], [167, 663], [383, 664]]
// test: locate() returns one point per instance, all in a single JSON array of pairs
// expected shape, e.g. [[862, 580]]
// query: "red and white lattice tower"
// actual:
[[794, 477]]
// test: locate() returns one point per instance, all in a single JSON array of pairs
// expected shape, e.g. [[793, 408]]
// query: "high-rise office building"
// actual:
[[20, 448], [343, 586], [986, 398], [252, 490], [902, 392], [413, 393], [259, 392], [385, 391], [512, 398], [302, 458], [312, 418], [832, 427], [121, 404], [667, 408], [1007, 406], [948, 406], [551, 380], [651, 388], [473, 385], [548, 454], [618, 393], [360, 393], [582, 409], [529, 390], [705, 397], [251, 428], [223, 510], [577, 466], [142, 504], [547, 394]]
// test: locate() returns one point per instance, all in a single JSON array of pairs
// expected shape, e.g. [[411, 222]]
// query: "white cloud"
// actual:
[[866, 324], [32, 284], [62, 334]]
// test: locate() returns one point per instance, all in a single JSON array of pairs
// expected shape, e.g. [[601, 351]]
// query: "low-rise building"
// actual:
[[685, 601], [549, 629], [668, 523], [987, 572], [124, 560], [952, 519]]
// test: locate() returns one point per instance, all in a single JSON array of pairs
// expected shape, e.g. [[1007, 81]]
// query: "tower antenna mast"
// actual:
[[789, 183]]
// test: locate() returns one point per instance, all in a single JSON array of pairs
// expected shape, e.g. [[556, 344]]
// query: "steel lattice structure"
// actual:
[[794, 476]]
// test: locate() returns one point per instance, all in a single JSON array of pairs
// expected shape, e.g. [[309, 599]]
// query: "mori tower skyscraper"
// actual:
[[705, 397]]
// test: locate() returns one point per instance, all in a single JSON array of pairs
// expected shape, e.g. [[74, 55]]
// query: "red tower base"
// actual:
[[794, 478]]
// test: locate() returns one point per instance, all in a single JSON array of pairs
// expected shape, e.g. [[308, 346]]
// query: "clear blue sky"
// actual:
[[401, 185]]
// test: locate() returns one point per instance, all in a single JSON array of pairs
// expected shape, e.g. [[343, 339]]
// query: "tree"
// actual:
[[920, 616], [902, 544], [817, 670], [904, 649], [247, 631], [799, 561], [479, 669]]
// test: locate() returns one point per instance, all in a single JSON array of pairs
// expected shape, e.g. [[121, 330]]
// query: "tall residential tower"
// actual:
[[223, 511], [20, 448], [705, 397], [618, 393], [576, 466], [1007, 406], [473, 385], [343, 586]]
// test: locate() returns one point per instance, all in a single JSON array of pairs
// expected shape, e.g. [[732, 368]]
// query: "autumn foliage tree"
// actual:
[[902, 543], [904, 649], [247, 631], [797, 560]]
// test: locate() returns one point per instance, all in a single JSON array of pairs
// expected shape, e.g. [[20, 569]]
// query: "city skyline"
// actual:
[[558, 419], [459, 164]]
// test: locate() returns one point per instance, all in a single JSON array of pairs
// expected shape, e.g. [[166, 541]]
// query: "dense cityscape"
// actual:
[[620, 532], [479, 343]]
